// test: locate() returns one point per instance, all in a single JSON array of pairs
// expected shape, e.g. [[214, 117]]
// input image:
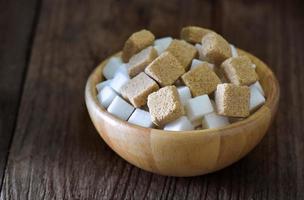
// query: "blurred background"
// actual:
[[49, 148]]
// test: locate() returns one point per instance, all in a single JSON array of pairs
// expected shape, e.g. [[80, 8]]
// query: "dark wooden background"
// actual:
[[49, 148]]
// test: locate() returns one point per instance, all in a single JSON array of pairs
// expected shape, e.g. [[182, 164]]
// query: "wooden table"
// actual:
[[49, 147]]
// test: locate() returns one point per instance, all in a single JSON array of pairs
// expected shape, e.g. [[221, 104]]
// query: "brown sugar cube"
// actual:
[[165, 105], [239, 70], [140, 61], [215, 49], [165, 69], [136, 42], [201, 80], [183, 51], [194, 34], [232, 100], [138, 89]]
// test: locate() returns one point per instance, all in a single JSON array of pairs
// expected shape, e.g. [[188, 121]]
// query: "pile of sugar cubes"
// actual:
[[196, 82]]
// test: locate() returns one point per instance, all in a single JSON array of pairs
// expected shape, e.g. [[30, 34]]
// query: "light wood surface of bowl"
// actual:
[[184, 153]]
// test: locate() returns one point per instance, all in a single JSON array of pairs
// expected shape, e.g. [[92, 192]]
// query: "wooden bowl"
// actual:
[[185, 153]]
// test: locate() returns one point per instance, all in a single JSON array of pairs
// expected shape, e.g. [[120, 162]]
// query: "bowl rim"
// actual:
[[272, 98]]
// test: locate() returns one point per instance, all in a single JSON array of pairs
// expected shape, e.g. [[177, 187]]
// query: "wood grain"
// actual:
[[17, 24], [264, 30], [57, 154]]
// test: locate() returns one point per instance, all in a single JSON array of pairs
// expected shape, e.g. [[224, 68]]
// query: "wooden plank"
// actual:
[[16, 28], [57, 154], [274, 170]]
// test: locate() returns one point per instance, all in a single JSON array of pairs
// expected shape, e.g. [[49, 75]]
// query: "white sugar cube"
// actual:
[[106, 96], [162, 44], [184, 94], [118, 81], [181, 124], [159, 49], [213, 120], [196, 62], [123, 68], [198, 107], [164, 41], [233, 51], [120, 108], [102, 84], [111, 67], [199, 50], [259, 87], [141, 117], [256, 99]]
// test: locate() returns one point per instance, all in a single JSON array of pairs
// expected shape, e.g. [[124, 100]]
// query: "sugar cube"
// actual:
[[138, 89], [259, 87], [102, 84], [137, 42], [165, 69], [201, 80], [239, 71], [198, 107], [180, 124], [158, 49], [120, 108], [184, 94], [162, 44], [213, 120], [193, 34], [141, 118], [183, 51], [232, 100], [165, 105], [233, 50], [119, 81], [256, 98], [111, 67], [123, 68], [215, 49], [141, 60], [196, 62], [106, 96]]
